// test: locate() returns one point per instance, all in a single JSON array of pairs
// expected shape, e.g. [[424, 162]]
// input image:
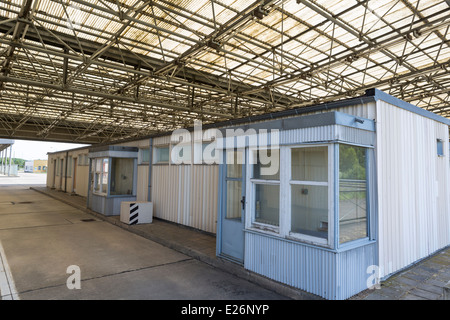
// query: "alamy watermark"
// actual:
[[374, 279], [74, 280], [207, 147]]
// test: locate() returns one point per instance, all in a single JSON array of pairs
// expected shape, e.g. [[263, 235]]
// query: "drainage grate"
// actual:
[[88, 220]]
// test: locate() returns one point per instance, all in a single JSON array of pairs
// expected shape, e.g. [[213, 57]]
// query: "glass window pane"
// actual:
[[98, 165], [234, 161], [105, 165], [267, 204], [234, 196], [162, 154], [310, 164], [69, 166], [352, 193], [440, 147], [309, 210], [121, 176], [104, 183], [267, 164], [97, 182], [145, 153]]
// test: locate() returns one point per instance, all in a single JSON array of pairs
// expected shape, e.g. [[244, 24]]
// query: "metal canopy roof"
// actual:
[[96, 71], [4, 144]]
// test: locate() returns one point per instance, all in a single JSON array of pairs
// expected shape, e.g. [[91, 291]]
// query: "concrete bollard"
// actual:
[[447, 291]]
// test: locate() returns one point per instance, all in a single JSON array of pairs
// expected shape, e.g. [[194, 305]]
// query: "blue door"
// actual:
[[233, 205]]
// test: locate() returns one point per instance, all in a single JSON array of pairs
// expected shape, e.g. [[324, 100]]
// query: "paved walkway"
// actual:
[[423, 281], [49, 248]]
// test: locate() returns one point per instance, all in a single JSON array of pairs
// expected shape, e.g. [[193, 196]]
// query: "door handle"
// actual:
[[243, 202]]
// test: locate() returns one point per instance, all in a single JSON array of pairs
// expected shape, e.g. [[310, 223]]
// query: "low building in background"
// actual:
[[36, 166]]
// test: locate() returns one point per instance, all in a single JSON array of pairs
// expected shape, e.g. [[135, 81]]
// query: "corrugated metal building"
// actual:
[[360, 191]]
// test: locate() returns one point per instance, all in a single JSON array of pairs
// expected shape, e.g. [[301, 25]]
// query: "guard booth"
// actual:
[[112, 178]]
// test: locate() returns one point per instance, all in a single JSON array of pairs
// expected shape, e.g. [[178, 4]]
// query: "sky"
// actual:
[[37, 150]]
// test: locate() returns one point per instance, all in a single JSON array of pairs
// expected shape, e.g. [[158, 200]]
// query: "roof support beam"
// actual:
[[99, 94], [19, 32]]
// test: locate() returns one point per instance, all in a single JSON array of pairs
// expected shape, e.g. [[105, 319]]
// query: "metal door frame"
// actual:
[[223, 179]]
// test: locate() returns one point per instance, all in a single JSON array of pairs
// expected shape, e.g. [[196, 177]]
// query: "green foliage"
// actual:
[[352, 162], [20, 162]]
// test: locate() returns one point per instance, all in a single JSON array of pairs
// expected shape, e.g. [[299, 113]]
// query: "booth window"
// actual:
[[144, 155], [309, 191], [352, 193], [69, 166], [234, 163], [121, 176], [266, 187], [440, 147], [161, 155], [100, 167], [324, 202], [61, 167]]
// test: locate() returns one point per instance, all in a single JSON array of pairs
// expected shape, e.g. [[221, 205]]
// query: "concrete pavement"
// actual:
[[423, 281], [45, 242]]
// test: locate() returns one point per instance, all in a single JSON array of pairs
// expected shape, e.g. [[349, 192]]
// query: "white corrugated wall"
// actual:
[[413, 187], [142, 183], [82, 181], [186, 194]]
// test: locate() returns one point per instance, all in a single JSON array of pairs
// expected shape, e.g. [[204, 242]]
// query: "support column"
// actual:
[[4, 161], [10, 155]]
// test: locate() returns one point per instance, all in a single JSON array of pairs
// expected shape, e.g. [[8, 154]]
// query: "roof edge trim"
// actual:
[[381, 95]]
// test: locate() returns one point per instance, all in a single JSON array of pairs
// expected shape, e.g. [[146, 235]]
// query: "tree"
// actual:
[[352, 162]]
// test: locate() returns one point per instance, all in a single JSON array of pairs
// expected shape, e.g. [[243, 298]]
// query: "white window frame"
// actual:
[[330, 184], [250, 195], [285, 183], [369, 235], [156, 153], [141, 156], [101, 173]]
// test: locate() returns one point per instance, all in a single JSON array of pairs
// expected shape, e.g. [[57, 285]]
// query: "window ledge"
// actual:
[[350, 246], [313, 242], [355, 244], [272, 231], [99, 194]]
